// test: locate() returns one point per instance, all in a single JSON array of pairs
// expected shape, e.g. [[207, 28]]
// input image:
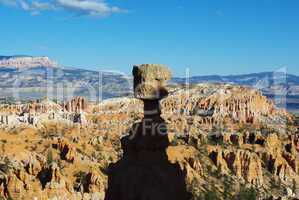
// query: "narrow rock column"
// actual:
[[149, 86], [144, 172]]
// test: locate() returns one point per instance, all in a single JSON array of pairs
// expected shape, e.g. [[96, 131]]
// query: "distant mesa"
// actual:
[[21, 62]]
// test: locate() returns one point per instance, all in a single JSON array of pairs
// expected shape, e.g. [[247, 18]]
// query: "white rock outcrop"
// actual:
[[20, 62]]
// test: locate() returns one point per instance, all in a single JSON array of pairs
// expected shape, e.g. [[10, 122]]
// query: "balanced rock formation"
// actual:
[[144, 172], [149, 81]]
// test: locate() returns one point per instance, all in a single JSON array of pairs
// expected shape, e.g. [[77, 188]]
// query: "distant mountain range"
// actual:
[[21, 62], [268, 82], [281, 87], [26, 78]]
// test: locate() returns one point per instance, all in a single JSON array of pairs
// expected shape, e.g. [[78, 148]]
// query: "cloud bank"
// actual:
[[77, 7]]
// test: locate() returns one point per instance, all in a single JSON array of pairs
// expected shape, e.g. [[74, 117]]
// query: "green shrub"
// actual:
[[49, 156], [247, 193]]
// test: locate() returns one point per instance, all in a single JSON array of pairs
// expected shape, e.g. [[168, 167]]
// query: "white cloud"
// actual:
[[8, 2], [42, 5], [24, 5], [78, 7]]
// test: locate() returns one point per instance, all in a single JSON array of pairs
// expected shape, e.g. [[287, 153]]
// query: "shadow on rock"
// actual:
[[144, 172]]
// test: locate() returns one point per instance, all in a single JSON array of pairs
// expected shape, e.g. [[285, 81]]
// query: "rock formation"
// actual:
[[77, 104], [94, 182], [67, 150], [53, 177], [144, 172], [4, 119], [33, 164], [20, 62], [212, 104], [242, 163], [192, 139]]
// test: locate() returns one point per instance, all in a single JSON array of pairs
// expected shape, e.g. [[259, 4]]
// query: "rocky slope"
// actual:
[[226, 141], [275, 85]]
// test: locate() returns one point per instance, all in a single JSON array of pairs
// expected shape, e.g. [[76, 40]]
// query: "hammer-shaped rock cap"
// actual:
[[149, 81]]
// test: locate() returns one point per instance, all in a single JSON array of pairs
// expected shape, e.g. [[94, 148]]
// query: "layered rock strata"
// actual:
[[20, 62]]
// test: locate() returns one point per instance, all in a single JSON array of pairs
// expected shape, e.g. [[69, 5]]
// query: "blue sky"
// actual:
[[207, 36]]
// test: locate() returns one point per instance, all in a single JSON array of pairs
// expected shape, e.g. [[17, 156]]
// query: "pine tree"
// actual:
[[294, 186], [227, 188], [50, 156], [211, 194], [247, 193]]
